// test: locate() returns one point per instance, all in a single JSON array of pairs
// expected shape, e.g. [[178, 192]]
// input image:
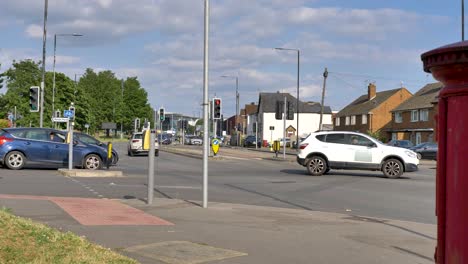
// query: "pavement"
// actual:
[[176, 231]]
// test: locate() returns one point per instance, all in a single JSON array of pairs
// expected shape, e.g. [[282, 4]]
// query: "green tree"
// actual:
[[20, 77]]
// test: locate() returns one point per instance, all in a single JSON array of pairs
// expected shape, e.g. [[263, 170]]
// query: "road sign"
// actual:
[[60, 119], [215, 145], [272, 128], [68, 113], [86, 125]]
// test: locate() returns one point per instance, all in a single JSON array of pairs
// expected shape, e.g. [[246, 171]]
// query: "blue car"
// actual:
[[21, 147]]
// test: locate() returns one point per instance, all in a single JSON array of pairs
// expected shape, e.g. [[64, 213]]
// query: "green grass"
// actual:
[[23, 241]]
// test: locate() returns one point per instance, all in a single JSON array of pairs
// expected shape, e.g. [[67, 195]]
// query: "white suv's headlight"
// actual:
[[410, 154]]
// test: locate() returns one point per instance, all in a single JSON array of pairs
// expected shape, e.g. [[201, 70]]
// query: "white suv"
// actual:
[[322, 151], [135, 145]]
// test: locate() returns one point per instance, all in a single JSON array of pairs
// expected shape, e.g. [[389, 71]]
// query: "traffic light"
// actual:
[[162, 116], [290, 115], [279, 110], [34, 99], [216, 108]]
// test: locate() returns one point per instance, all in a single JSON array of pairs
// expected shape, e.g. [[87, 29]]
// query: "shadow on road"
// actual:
[[340, 173]]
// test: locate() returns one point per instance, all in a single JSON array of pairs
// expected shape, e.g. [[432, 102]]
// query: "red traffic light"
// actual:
[[217, 101]]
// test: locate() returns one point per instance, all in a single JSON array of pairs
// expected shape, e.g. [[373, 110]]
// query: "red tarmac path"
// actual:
[[95, 212]]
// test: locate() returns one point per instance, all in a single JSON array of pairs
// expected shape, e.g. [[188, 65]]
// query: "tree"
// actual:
[[20, 77]]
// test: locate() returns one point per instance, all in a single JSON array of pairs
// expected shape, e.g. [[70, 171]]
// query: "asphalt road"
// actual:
[[246, 181]]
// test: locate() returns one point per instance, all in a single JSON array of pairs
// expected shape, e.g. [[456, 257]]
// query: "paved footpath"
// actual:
[[181, 232]]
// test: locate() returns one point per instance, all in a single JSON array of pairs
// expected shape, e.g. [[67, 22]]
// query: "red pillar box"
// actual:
[[449, 64]]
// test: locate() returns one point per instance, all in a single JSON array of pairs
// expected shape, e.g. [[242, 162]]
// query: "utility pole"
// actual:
[[44, 40], [121, 120], [206, 144], [325, 75]]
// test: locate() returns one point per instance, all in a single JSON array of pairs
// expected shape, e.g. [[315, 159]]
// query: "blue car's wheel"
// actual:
[[15, 160], [92, 162]]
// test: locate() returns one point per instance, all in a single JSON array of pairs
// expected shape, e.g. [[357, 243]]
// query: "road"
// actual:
[[246, 181]]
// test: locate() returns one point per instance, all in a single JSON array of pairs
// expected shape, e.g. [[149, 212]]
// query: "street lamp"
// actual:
[[237, 104], [55, 49], [297, 99]]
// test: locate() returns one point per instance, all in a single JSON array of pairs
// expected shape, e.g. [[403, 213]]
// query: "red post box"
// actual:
[[449, 64]]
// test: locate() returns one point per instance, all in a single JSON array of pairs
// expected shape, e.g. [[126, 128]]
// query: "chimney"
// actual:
[[371, 91]]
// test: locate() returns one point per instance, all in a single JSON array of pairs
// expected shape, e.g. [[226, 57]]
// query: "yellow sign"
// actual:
[[276, 145], [146, 140], [109, 150], [215, 145]]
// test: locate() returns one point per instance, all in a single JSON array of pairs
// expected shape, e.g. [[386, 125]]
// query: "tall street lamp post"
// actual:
[[55, 51], [237, 105], [44, 38], [297, 99]]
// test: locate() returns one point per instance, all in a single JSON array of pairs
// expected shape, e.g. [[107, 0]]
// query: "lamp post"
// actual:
[[55, 51], [297, 99], [237, 105], [44, 38]]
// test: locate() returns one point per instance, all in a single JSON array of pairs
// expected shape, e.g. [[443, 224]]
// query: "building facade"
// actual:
[[370, 112], [414, 119]]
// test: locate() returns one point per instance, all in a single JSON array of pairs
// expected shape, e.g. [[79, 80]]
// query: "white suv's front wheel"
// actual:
[[316, 166], [392, 168]]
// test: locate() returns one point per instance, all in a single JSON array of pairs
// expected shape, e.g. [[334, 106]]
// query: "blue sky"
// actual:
[[161, 42]]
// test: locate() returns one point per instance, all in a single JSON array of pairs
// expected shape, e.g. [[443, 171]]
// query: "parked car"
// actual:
[[196, 141], [326, 150], [400, 143], [249, 141], [426, 150], [165, 139], [92, 140], [135, 145], [21, 147]]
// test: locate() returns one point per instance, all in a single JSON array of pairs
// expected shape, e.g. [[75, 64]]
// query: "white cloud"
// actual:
[[34, 31], [62, 60]]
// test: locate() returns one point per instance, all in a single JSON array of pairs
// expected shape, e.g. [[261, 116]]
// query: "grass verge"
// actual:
[[23, 241]]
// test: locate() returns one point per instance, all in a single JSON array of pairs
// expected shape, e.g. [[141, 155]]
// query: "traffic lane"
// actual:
[[42, 182], [284, 184]]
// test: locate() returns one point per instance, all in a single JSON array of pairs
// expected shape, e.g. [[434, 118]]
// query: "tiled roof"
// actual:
[[267, 103], [424, 98], [362, 105]]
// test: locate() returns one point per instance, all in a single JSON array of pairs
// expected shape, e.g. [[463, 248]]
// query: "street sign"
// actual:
[[215, 145], [60, 119], [68, 113], [272, 128], [86, 126]]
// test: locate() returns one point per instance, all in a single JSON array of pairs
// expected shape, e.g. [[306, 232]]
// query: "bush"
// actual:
[[377, 135], [4, 123]]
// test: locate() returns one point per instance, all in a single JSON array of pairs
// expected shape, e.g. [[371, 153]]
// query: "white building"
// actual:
[[269, 128]]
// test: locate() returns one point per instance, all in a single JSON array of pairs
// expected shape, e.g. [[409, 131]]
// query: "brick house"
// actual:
[[414, 119], [371, 111]]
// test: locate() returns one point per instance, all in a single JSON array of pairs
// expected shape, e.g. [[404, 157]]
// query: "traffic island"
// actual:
[[90, 173]]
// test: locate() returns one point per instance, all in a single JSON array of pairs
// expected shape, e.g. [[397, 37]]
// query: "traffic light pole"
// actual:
[[284, 128]]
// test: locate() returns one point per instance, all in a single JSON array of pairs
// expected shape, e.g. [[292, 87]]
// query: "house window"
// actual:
[[347, 121], [353, 120], [364, 119], [337, 121], [424, 115], [414, 116], [398, 117]]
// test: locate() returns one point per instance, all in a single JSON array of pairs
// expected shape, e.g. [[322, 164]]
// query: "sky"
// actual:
[[161, 43]]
